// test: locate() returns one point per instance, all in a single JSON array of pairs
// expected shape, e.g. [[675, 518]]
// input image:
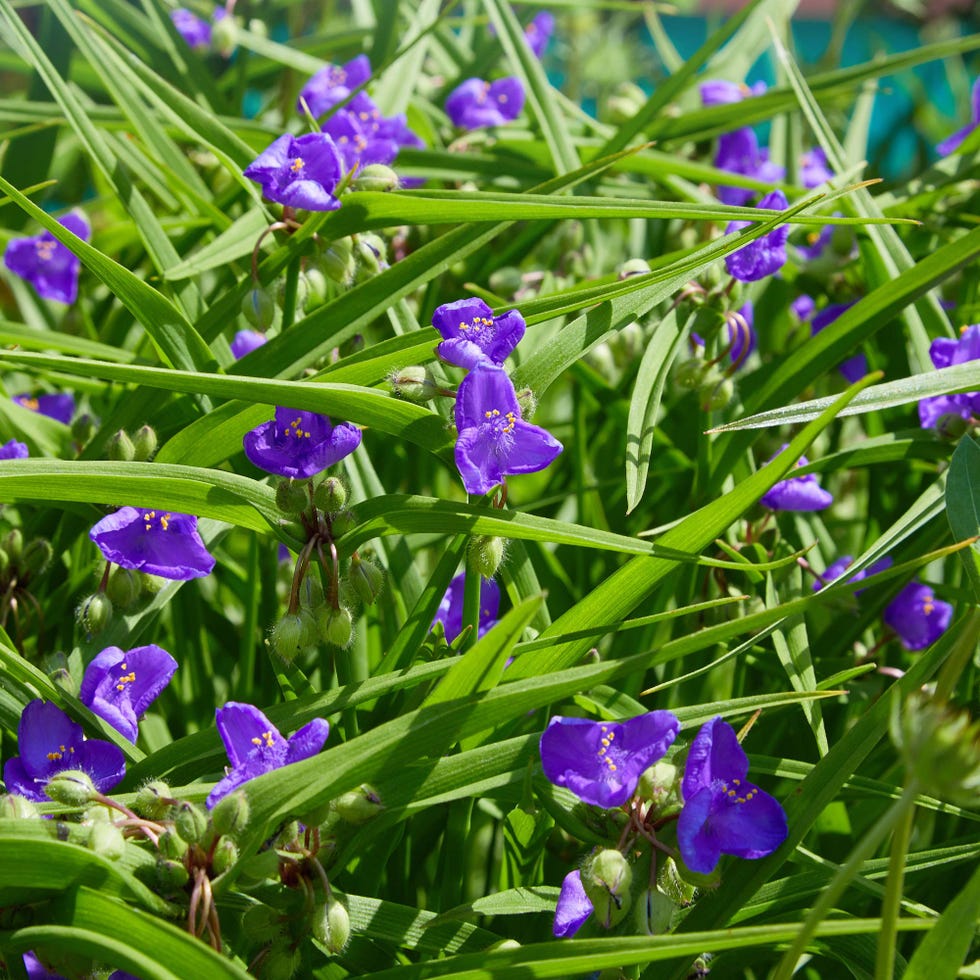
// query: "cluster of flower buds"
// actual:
[[138, 447]]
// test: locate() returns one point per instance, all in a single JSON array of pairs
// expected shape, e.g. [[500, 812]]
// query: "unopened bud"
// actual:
[[152, 584], [527, 401], [359, 805], [653, 912], [375, 177], [121, 449], [258, 27], [951, 426], [4, 563], [225, 855], [625, 102], [633, 267], [842, 242], [317, 287], [288, 637], [341, 523], [659, 785], [191, 822], [107, 839], [14, 807], [366, 578], [717, 396], [13, 544], [506, 281], [337, 260], [224, 35], [331, 495], [484, 553], [281, 962], [370, 256], [172, 845], [94, 614], [83, 428], [331, 925], [144, 443], [259, 308], [171, 875], [335, 626], [230, 814], [292, 496], [73, 787], [124, 587], [413, 383], [37, 557], [153, 800], [606, 878], [689, 373]]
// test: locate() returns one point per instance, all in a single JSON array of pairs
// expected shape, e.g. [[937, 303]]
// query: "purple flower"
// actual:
[[300, 444], [917, 616], [356, 131], [836, 569], [952, 143], [539, 31], [299, 172], [476, 103], [58, 407], [763, 256], [741, 333], [945, 352], [474, 335], [196, 32], [573, 907], [333, 84], [156, 542], [255, 747], [724, 814], [739, 153], [493, 439], [14, 450], [450, 612], [601, 762], [50, 267], [813, 168], [246, 341], [119, 685], [36, 970], [719, 92], [50, 742], [803, 306], [854, 368], [797, 492]]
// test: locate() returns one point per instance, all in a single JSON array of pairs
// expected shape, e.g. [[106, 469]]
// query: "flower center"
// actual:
[[608, 738], [266, 739], [125, 678], [295, 428], [31, 403], [360, 143], [928, 603], [500, 424], [297, 165], [56, 756], [478, 329], [734, 793], [150, 516], [45, 249]]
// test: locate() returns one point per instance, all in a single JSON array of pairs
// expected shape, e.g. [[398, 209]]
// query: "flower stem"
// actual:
[[289, 295], [891, 904], [471, 607]]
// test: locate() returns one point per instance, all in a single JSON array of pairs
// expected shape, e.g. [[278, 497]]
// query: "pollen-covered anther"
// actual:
[[297, 165], [55, 756], [32, 403], [266, 738], [46, 249]]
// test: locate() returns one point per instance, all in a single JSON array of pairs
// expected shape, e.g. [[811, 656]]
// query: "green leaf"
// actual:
[[963, 503]]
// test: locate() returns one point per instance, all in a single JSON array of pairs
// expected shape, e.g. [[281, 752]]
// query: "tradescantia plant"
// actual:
[[617, 624]]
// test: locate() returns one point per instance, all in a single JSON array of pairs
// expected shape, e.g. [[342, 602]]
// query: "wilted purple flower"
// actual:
[[156, 542], [797, 492], [255, 747], [720, 92], [59, 407], [539, 31], [355, 130], [474, 335], [50, 742], [917, 616], [450, 612], [246, 341], [741, 333], [813, 168], [14, 450], [119, 685], [836, 569], [196, 32], [50, 267], [724, 814], [573, 907], [300, 172], [854, 368], [300, 444], [333, 84], [493, 439], [476, 103], [739, 153], [601, 762], [952, 143], [803, 306], [945, 352], [763, 256]]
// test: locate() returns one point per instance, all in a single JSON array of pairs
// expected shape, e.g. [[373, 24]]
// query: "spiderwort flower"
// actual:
[[50, 742], [196, 32], [156, 542], [854, 368], [573, 907], [739, 153], [797, 492], [14, 450], [299, 172], [803, 307], [601, 762], [538, 32], [719, 92], [119, 685], [763, 256], [476, 103], [333, 84], [50, 267], [450, 612], [945, 352], [356, 133], [724, 814], [917, 616], [300, 444], [246, 341], [836, 569], [255, 747], [814, 170], [60, 407], [953, 143], [494, 440], [474, 335]]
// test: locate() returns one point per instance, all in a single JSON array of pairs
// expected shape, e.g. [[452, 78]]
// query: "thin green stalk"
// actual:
[[249, 643], [471, 606], [891, 904], [289, 293]]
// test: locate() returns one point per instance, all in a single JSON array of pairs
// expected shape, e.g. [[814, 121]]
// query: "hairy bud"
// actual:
[[375, 177], [124, 587], [94, 613], [171, 875], [37, 557], [225, 855], [153, 800], [259, 308], [606, 878], [358, 806], [331, 925], [653, 912], [633, 267], [289, 637], [14, 807], [107, 840], [484, 553], [13, 544], [337, 260], [191, 822], [73, 787], [120, 448], [331, 495], [366, 578], [230, 814], [335, 626], [144, 443], [413, 383], [292, 496], [83, 428]]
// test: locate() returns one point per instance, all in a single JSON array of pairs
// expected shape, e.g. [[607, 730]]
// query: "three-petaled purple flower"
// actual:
[[476, 103], [946, 352], [333, 84], [739, 153], [854, 368], [723, 813], [601, 762], [246, 341], [573, 907], [357, 132], [917, 616], [14, 450], [763, 256], [450, 612], [300, 171], [50, 267], [952, 143], [156, 542], [196, 32], [494, 440], [255, 747], [719, 92], [50, 742], [836, 569], [119, 685], [539, 31], [474, 335], [814, 170], [300, 444], [60, 407], [797, 492]]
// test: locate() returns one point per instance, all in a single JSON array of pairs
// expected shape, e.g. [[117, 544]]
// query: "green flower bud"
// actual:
[[317, 287], [288, 638], [225, 855], [94, 613], [153, 800], [653, 912], [292, 496], [259, 308], [506, 281], [358, 806], [124, 587], [366, 578], [679, 891], [172, 845], [375, 177], [331, 925], [689, 373], [224, 36], [120, 448], [606, 878], [281, 962], [717, 396], [331, 495], [341, 523], [37, 557], [659, 784], [335, 626], [951, 426], [484, 553], [14, 807], [144, 443], [337, 261], [633, 267], [73, 787], [258, 27], [370, 256], [191, 822], [413, 383], [171, 876], [83, 428], [107, 840], [230, 814], [528, 402], [4, 563], [61, 676], [842, 242], [13, 544], [152, 584], [625, 102]]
